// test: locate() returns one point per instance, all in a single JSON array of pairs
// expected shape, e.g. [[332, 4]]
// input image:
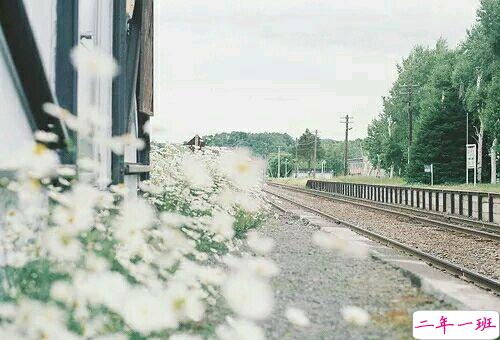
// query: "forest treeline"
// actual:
[[266, 145], [439, 87]]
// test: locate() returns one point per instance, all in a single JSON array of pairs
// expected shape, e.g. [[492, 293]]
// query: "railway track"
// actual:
[[459, 271], [466, 226]]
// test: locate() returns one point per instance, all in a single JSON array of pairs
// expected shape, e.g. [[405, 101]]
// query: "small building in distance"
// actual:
[[356, 166], [361, 166], [196, 143]]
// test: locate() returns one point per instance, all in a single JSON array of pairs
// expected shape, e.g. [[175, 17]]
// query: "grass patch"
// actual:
[[296, 182]]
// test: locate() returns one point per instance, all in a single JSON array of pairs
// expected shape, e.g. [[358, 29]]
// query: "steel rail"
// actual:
[[477, 223], [459, 271], [471, 222], [392, 210]]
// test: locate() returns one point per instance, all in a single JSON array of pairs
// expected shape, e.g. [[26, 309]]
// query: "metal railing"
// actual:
[[482, 206]]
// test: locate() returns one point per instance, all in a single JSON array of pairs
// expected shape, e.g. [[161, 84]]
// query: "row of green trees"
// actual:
[[328, 150], [266, 145], [440, 87], [261, 144]]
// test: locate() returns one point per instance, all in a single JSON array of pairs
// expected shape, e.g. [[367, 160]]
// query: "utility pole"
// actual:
[[315, 152], [279, 161], [432, 174], [461, 95], [286, 167], [409, 92], [296, 157], [346, 147]]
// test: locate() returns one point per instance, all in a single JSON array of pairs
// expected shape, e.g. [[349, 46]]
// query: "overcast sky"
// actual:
[[287, 65]]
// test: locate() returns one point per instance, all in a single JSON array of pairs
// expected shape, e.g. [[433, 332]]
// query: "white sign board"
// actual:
[[471, 156], [430, 168]]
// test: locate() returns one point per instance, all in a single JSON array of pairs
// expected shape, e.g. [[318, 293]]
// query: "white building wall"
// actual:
[[43, 19], [16, 132]]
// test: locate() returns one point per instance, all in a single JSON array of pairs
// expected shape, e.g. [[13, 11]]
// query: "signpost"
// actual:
[[430, 168], [471, 161]]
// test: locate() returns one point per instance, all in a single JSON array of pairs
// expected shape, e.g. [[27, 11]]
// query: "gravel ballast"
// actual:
[[473, 252], [322, 282]]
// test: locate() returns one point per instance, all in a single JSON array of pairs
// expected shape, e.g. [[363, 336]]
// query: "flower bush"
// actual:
[[85, 263], [82, 263]]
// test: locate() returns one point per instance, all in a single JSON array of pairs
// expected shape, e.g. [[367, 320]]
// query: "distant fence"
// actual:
[[483, 206]]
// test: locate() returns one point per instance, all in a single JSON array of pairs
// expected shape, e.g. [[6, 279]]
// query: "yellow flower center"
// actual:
[[243, 167], [39, 149], [65, 240], [35, 183], [179, 303]]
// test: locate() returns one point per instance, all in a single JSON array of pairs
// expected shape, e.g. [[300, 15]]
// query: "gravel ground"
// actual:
[[321, 283], [473, 252]]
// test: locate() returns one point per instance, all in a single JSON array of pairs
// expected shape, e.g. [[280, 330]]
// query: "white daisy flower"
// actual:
[[185, 336], [106, 288], [66, 171], [46, 137], [330, 241], [297, 317], [195, 172], [94, 62], [259, 243], [147, 312], [70, 120], [355, 315], [248, 295], [62, 291], [222, 224], [62, 244], [185, 303], [244, 171], [239, 329]]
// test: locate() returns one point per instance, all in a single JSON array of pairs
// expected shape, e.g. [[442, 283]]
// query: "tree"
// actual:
[[451, 84], [472, 76], [489, 19], [388, 135], [377, 135], [475, 73], [440, 134], [492, 118], [261, 144], [306, 148], [333, 155]]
